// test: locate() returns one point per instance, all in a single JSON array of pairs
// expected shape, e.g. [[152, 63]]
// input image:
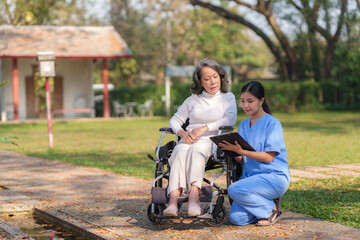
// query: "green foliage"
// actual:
[[182, 38], [281, 96], [2, 83], [45, 12], [334, 199], [7, 140], [346, 72]]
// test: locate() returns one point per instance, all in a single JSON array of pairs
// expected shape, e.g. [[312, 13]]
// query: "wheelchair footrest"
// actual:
[[159, 195]]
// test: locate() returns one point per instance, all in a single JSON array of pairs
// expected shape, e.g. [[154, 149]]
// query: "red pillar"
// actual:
[[48, 112], [106, 102], [15, 83]]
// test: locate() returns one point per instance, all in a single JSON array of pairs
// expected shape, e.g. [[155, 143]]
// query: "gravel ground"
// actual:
[[115, 206]]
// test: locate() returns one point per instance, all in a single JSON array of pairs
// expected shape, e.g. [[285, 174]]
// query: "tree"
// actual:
[[310, 11], [265, 8], [44, 12], [311, 15], [160, 33], [145, 40]]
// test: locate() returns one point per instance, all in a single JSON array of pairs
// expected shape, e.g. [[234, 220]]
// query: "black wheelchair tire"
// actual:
[[216, 220], [159, 208]]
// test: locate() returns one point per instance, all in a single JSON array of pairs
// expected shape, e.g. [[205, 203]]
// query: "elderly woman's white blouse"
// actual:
[[206, 109]]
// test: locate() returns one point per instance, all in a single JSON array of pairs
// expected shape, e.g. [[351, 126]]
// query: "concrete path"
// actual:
[[115, 206]]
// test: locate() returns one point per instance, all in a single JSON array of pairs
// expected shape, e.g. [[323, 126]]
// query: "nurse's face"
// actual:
[[210, 80], [251, 104]]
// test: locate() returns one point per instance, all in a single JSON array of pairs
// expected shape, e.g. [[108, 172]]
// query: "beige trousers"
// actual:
[[187, 164]]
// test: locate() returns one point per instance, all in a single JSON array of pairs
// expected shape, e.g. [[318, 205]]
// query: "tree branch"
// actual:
[[326, 34], [8, 12], [234, 17], [247, 5], [296, 6], [341, 20]]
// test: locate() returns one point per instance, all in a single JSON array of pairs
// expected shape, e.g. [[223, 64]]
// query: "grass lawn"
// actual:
[[121, 145]]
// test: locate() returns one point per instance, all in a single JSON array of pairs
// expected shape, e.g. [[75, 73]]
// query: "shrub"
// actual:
[[306, 95]]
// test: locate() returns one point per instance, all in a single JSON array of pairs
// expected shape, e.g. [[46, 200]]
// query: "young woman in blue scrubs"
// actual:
[[266, 174]]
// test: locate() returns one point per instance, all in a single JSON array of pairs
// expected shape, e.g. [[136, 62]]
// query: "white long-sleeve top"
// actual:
[[206, 109]]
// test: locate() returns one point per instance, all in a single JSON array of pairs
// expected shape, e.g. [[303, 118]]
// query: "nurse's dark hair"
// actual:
[[196, 87], [257, 89]]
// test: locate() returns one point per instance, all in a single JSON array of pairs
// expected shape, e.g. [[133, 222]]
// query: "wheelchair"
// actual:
[[214, 213]]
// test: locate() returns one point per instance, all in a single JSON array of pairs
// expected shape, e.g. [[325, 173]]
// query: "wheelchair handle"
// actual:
[[167, 130], [226, 128], [151, 157]]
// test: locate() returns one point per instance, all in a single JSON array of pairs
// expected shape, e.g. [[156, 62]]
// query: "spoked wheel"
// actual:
[[218, 219], [159, 208]]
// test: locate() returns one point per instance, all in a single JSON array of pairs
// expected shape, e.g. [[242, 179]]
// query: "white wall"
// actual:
[[77, 82]]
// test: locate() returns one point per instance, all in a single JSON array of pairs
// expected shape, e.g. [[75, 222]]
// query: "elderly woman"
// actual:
[[209, 107]]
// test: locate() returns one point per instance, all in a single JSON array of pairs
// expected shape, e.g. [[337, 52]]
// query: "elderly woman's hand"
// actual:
[[189, 137], [199, 131], [185, 136]]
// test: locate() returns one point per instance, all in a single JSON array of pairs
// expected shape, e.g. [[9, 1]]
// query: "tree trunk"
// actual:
[[289, 51], [331, 41], [315, 60], [329, 51]]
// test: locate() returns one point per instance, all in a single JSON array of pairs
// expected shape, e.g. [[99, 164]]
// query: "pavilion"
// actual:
[[75, 48]]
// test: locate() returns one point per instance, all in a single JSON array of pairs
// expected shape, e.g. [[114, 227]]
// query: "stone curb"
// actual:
[[15, 203]]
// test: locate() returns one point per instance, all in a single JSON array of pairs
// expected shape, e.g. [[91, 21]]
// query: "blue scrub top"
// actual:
[[266, 135]]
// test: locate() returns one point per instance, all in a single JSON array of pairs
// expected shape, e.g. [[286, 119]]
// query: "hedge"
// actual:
[[281, 96]]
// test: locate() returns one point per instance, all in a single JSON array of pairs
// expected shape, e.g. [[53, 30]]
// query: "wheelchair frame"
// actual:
[[213, 214]]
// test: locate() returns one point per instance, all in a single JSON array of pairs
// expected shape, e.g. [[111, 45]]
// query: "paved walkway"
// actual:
[[114, 206]]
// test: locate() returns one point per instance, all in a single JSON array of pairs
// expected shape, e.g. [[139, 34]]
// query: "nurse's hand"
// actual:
[[225, 145]]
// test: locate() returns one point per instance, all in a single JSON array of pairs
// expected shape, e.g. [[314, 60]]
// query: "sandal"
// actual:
[[274, 218], [274, 215]]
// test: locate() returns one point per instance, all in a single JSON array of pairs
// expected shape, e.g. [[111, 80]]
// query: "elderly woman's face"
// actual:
[[210, 80]]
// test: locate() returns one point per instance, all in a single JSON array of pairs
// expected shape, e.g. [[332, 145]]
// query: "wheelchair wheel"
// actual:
[[217, 220], [159, 208]]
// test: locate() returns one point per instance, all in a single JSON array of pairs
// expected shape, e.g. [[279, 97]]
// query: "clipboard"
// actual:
[[231, 138]]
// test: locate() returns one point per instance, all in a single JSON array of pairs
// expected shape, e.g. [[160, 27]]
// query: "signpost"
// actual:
[[47, 69]]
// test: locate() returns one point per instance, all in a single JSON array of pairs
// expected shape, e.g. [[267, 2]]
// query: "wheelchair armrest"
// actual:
[[222, 128], [226, 128], [167, 130]]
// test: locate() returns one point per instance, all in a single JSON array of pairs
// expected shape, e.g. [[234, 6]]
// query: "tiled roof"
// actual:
[[64, 41]]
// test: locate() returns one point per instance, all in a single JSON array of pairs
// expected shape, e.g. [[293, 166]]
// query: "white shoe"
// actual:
[[194, 210], [170, 211]]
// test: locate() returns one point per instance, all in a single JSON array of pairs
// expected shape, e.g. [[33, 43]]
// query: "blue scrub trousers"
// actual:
[[253, 197]]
